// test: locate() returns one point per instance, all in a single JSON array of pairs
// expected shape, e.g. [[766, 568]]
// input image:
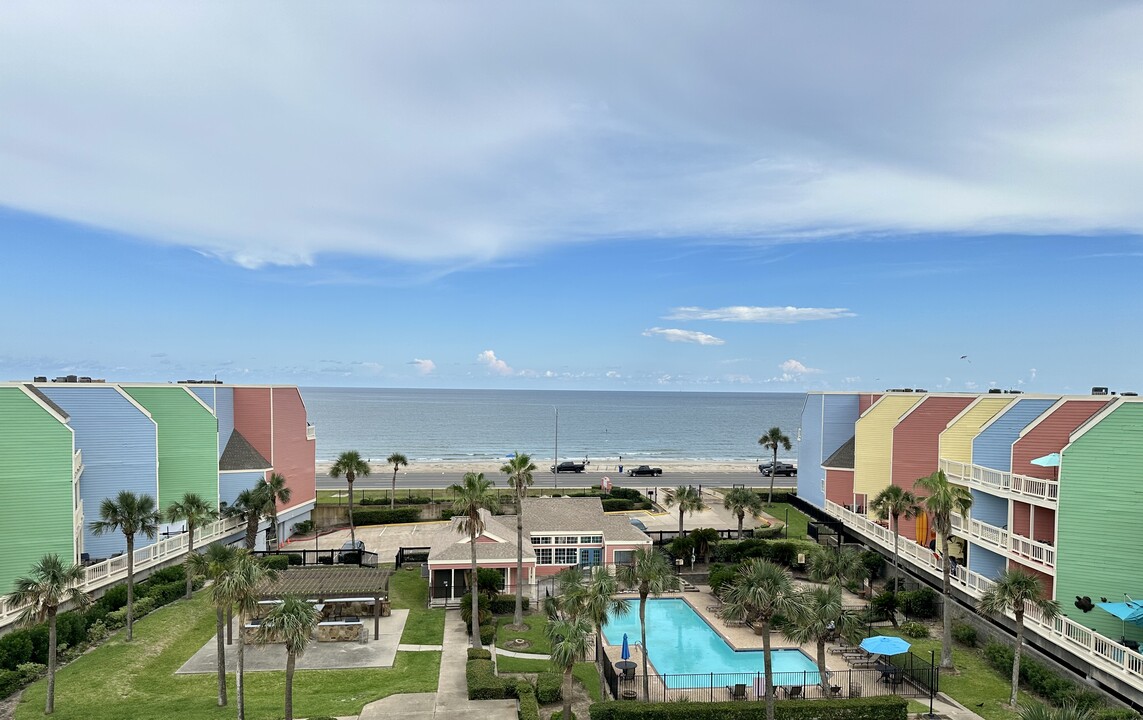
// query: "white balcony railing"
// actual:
[[115, 569], [1020, 487], [311, 432], [1099, 650], [77, 466]]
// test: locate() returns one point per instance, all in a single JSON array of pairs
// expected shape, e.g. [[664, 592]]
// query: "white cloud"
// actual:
[[1032, 374], [683, 336], [424, 367], [265, 136], [613, 375], [796, 367], [743, 313], [970, 385], [851, 379], [494, 363]]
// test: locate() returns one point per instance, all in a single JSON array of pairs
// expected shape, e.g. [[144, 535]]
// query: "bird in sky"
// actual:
[[965, 357]]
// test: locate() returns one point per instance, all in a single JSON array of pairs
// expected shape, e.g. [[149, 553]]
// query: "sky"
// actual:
[[754, 196]]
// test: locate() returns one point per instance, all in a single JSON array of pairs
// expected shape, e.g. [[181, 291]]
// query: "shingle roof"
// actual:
[[454, 545], [842, 458], [329, 582], [241, 455]]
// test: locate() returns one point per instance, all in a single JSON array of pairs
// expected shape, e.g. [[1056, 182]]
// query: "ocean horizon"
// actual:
[[435, 425]]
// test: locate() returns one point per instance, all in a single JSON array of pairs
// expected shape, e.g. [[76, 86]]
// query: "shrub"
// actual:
[[30, 672], [923, 603], [9, 682], [114, 598], [618, 505], [483, 684], [305, 527], [15, 649], [489, 582], [174, 573], [505, 604], [479, 654], [482, 605], [720, 576], [166, 593], [387, 516], [97, 632], [964, 634], [1056, 690], [915, 630], [39, 636], [449, 514], [276, 562], [488, 633], [530, 707], [295, 559], [887, 707], [70, 628], [1114, 714], [883, 605], [873, 563], [559, 714], [627, 494], [548, 687]]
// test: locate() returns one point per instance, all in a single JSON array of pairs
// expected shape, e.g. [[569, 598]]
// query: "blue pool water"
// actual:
[[680, 642]]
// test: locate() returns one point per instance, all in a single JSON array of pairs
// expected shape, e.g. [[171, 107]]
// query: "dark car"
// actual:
[[351, 552], [644, 470], [569, 466], [638, 523], [782, 469]]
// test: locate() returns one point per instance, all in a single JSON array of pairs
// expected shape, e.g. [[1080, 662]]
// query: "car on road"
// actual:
[[644, 470], [569, 466], [351, 552], [782, 469]]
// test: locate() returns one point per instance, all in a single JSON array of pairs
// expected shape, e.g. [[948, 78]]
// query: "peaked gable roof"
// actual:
[[842, 458], [241, 455]]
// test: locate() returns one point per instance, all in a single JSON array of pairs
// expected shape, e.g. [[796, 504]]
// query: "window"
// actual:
[[591, 540], [591, 557], [544, 556], [566, 556], [542, 540], [567, 539], [623, 557]]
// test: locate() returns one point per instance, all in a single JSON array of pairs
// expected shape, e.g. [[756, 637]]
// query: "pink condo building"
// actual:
[[558, 533]]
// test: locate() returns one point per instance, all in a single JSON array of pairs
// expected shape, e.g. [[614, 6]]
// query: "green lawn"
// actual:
[[799, 523], [585, 672], [425, 626], [137, 680], [536, 623]]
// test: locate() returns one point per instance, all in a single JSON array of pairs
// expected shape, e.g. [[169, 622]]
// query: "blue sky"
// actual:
[[591, 196]]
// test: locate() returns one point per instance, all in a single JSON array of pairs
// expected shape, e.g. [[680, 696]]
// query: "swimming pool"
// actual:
[[680, 642]]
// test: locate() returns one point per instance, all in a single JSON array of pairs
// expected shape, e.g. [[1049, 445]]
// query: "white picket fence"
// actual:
[[114, 570], [1100, 651]]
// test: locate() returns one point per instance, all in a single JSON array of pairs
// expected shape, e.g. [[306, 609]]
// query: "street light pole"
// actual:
[[556, 454]]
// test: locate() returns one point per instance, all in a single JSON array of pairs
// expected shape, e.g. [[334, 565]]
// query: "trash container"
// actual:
[[386, 608], [620, 469]]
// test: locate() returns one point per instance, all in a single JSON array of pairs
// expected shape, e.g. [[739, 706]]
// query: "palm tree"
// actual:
[[650, 573], [396, 460], [760, 592], [569, 640], [599, 602], [277, 493], [1012, 592], [519, 471], [216, 562], [772, 440], [196, 511], [292, 621], [687, 498], [895, 502], [1041, 711], [839, 567], [819, 615], [943, 500], [473, 495], [238, 587], [740, 501], [131, 514], [350, 464], [252, 504], [50, 585], [704, 539]]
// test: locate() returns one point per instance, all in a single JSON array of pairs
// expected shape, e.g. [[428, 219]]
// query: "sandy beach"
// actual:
[[492, 467]]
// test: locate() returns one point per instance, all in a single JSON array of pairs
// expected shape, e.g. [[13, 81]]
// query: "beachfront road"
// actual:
[[439, 481]]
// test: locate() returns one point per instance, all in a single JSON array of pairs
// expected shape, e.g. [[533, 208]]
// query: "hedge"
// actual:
[[783, 552], [1042, 681], [548, 687], [387, 516], [923, 603], [295, 559], [479, 654], [505, 604], [483, 684], [529, 706], [618, 505], [888, 707], [10, 682]]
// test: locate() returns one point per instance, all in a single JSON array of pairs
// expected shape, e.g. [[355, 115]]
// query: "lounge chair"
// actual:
[[843, 649], [793, 692], [629, 674], [737, 691]]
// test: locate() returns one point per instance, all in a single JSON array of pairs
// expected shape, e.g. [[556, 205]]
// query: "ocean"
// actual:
[[452, 425]]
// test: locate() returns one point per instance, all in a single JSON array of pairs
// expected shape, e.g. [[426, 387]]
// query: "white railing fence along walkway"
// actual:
[[1099, 650], [1021, 487], [111, 571]]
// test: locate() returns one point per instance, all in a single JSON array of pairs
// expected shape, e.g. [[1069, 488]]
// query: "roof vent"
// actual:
[[40, 378], [994, 391], [1099, 390], [1128, 393]]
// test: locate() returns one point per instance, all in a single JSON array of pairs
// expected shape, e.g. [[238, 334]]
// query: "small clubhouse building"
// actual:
[[559, 532]]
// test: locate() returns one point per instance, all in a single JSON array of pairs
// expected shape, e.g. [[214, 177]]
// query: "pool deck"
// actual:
[[737, 637]]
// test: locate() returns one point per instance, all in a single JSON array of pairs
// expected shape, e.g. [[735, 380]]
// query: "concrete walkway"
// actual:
[[450, 701]]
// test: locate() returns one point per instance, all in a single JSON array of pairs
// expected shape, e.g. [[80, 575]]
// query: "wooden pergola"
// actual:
[[334, 584]]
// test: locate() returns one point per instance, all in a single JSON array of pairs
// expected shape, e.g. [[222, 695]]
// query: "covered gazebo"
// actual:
[[335, 589]]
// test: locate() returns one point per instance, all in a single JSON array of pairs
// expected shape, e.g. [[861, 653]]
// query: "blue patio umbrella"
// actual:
[[625, 652], [884, 645], [1049, 460]]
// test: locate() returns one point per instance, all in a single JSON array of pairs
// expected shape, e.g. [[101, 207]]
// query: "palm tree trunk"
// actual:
[[768, 688], [1016, 656], [251, 529], [598, 662], [238, 684], [352, 533], [946, 636], [186, 566], [290, 659], [567, 688], [643, 641], [130, 587], [680, 521], [896, 560], [518, 615], [741, 517], [473, 593], [50, 705], [220, 652], [773, 472], [823, 674], [393, 494]]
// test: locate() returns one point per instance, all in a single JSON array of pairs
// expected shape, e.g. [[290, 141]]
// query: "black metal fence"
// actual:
[[325, 557], [720, 687], [662, 537], [412, 555]]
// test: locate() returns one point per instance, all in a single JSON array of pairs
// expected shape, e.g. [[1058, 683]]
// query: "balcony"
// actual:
[[311, 432], [1018, 487], [76, 466], [1011, 545]]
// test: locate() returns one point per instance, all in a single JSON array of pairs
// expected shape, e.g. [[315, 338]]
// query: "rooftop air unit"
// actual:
[[1099, 391]]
